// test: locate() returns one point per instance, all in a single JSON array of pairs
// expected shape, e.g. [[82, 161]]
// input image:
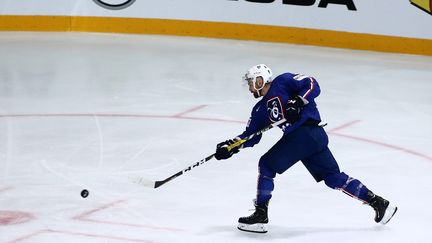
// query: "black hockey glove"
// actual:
[[222, 151], [294, 106]]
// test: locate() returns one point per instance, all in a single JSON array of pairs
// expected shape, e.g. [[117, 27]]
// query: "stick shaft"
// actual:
[[238, 143], [187, 169]]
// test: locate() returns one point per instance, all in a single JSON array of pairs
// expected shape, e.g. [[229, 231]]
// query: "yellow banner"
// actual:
[[425, 5]]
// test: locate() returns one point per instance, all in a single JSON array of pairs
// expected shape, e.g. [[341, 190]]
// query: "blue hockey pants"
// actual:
[[307, 144]]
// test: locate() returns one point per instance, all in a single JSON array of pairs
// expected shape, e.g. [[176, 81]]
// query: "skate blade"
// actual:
[[389, 213], [254, 228]]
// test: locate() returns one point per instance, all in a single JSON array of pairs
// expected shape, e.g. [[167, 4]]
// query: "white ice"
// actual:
[[81, 110]]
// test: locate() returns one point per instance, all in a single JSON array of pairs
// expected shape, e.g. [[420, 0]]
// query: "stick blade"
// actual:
[[158, 183], [142, 181]]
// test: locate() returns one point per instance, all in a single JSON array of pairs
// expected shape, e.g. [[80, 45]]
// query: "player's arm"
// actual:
[[307, 87], [256, 122], [305, 91], [249, 130]]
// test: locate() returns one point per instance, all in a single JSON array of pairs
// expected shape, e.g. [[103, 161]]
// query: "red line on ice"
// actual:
[[132, 225], [99, 236], [46, 231], [122, 116], [86, 217], [180, 116], [88, 213], [412, 152], [26, 237], [343, 126], [189, 111]]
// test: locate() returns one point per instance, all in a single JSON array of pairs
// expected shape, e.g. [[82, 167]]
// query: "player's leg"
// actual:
[[256, 222], [285, 153], [265, 184], [323, 166], [384, 211]]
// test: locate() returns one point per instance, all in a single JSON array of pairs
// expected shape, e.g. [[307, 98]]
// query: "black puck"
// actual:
[[84, 193]]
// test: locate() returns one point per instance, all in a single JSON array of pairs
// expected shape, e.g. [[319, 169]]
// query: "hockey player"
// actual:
[[291, 96]]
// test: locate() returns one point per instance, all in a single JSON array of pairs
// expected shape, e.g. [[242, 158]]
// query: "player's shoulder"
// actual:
[[287, 76], [283, 80]]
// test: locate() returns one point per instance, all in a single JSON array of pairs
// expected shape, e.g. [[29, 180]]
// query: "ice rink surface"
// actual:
[[82, 110]]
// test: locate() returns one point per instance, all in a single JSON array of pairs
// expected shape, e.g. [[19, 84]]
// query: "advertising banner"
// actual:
[[385, 17]]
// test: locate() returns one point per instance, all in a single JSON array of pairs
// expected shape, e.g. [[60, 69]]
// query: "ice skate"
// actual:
[[256, 222], [384, 211]]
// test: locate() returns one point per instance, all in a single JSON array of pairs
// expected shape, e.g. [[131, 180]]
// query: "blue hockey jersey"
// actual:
[[271, 107]]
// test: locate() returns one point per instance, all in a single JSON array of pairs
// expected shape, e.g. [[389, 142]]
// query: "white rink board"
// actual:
[[385, 17]]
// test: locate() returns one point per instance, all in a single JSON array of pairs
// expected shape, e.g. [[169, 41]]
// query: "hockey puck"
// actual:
[[84, 193]]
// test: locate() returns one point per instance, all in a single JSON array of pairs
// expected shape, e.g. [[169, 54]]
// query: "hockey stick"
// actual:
[[156, 184]]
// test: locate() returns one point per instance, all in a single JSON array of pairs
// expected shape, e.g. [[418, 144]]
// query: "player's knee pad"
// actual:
[[336, 180]]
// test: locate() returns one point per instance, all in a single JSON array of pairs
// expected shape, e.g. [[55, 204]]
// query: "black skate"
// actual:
[[256, 222], [384, 211]]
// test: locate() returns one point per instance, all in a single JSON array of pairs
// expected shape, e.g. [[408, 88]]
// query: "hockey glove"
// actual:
[[222, 151], [294, 106]]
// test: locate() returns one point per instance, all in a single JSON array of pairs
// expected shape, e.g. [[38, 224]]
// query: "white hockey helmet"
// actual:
[[260, 70]]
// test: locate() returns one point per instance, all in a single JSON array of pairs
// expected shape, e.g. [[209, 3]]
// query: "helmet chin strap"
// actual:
[[258, 90], [259, 93]]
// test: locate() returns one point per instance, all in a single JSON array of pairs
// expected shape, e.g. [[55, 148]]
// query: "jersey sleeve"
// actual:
[[307, 87], [256, 122]]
